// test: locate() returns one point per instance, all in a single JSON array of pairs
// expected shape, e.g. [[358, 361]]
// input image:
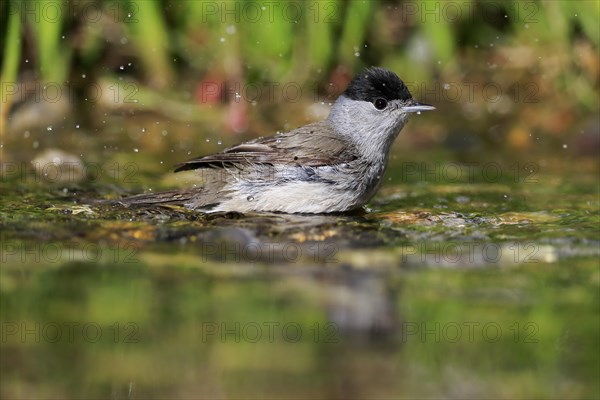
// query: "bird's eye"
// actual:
[[380, 104]]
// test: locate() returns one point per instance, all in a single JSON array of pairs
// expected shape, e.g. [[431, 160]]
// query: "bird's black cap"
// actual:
[[375, 83]]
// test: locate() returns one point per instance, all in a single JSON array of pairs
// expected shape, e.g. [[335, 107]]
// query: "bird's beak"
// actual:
[[417, 107]]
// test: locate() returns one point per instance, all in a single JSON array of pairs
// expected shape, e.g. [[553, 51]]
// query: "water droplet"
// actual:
[[565, 146], [207, 140], [250, 198], [143, 130], [136, 150], [122, 67], [418, 112], [77, 126], [219, 142], [49, 128], [164, 133], [446, 86], [221, 39]]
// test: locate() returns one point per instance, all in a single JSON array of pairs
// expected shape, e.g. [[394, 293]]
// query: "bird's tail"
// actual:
[[172, 197]]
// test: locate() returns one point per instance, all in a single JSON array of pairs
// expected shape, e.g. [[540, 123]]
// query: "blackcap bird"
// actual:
[[333, 165]]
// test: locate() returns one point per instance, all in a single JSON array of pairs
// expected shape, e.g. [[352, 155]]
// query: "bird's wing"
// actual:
[[310, 145]]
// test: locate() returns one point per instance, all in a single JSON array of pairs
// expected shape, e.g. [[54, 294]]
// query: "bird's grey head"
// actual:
[[373, 110]]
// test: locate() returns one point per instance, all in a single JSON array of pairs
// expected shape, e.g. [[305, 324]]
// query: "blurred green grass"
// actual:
[[171, 47]]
